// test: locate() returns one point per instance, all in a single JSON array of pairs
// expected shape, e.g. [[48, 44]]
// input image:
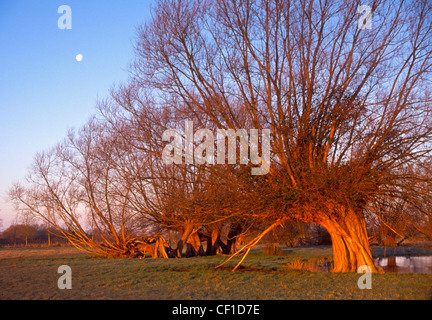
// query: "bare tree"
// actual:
[[404, 209], [78, 182], [198, 201], [347, 107]]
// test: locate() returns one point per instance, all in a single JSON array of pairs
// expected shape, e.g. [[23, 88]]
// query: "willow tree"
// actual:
[[200, 202], [347, 105], [78, 188]]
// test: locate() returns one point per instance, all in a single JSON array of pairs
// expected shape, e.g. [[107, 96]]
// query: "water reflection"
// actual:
[[405, 264]]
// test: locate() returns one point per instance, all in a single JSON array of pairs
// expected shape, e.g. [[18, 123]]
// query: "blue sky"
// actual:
[[44, 90]]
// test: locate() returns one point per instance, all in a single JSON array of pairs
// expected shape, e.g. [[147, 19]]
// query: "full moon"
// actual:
[[79, 57]]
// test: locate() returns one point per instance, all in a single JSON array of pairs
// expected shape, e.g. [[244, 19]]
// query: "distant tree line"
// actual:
[[21, 234]]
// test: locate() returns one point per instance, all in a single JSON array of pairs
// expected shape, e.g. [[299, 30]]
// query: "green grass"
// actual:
[[32, 274]]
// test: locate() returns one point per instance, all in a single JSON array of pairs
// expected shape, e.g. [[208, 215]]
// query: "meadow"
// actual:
[[31, 274]]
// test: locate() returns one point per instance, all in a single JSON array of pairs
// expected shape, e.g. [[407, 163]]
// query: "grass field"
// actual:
[[32, 274]]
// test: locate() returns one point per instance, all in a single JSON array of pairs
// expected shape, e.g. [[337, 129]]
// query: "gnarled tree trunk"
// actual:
[[350, 242], [194, 246], [189, 229], [215, 242], [232, 238]]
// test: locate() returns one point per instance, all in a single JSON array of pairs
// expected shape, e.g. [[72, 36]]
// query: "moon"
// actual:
[[79, 57]]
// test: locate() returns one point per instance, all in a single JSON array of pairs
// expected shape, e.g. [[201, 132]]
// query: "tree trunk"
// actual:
[[194, 246], [160, 249], [233, 235], [185, 236], [350, 242], [214, 242], [209, 246]]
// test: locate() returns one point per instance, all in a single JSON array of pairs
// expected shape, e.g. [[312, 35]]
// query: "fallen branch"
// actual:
[[251, 244]]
